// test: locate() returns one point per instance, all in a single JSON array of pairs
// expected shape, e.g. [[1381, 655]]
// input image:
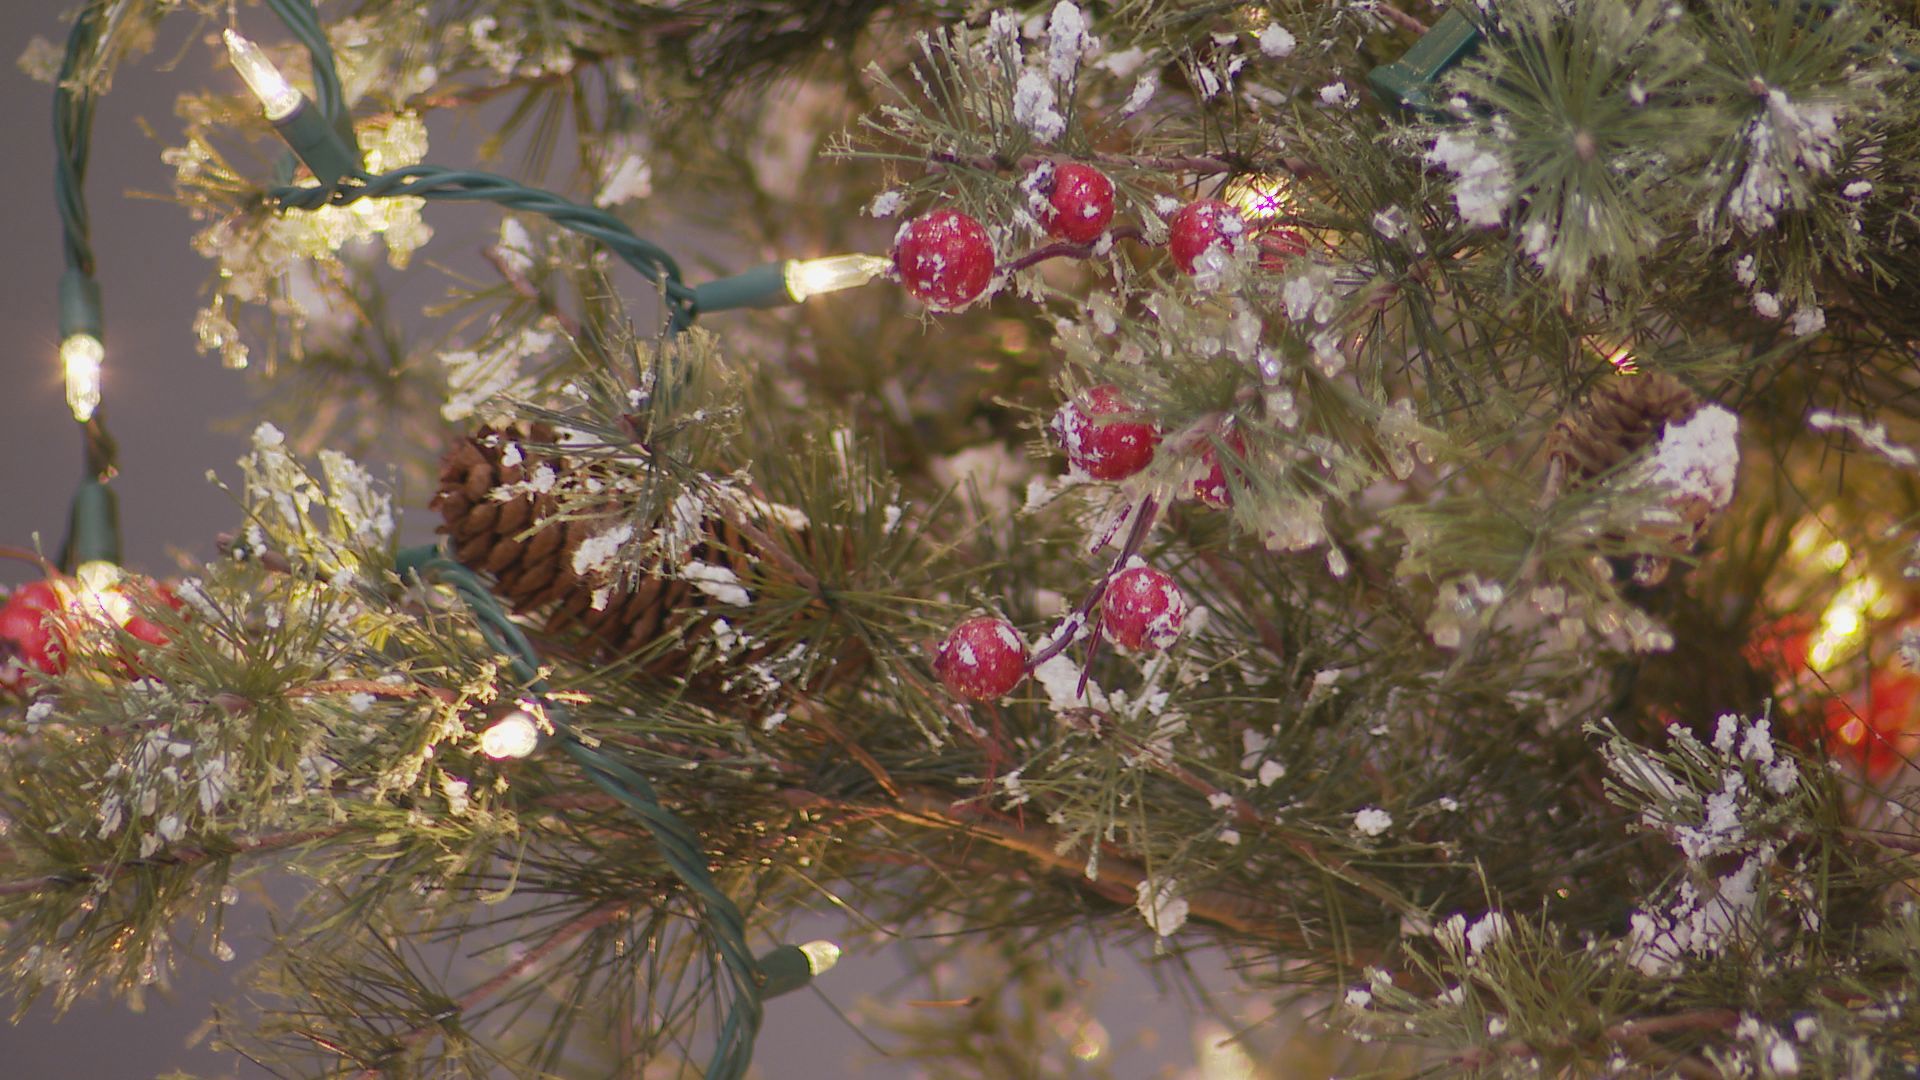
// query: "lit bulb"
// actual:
[[821, 956], [81, 357], [515, 735], [811, 277], [95, 592], [278, 98], [1259, 199]]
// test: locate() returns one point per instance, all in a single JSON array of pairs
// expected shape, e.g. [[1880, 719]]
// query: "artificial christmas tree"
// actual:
[[1477, 597]]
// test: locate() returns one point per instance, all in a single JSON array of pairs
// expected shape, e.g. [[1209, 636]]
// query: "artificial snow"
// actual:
[[1372, 821], [1484, 179], [1034, 108], [716, 581], [1698, 459], [1275, 41], [1159, 904]]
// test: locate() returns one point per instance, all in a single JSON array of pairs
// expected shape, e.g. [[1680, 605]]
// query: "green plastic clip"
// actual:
[[1410, 80]]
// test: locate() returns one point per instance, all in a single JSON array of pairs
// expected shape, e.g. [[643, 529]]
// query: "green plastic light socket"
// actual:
[[786, 969], [327, 155], [79, 305], [1410, 80], [93, 527], [761, 287]]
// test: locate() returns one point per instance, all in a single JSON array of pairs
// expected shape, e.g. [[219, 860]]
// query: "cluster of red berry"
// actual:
[[945, 257], [32, 633], [984, 657]]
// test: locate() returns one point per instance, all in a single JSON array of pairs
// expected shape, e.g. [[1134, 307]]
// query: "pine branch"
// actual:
[[107, 873]]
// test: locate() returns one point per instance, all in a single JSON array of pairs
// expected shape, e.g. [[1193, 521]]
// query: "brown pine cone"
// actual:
[[1622, 415], [532, 563]]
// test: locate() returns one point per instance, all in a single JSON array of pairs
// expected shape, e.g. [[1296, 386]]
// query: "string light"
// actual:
[[278, 98], [94, 591], [515, 735], [821, 956], [1260, 198], [811, 277], [303, 127], [81, 358]]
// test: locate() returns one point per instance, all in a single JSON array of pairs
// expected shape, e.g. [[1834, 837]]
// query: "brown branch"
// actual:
[[1402, 19], [178, 857], [375, 689], [1065, 250], [592, 920], [1635, 1035]]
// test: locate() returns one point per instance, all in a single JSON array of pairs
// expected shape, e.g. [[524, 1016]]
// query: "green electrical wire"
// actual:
[[93, 529], [679, 845], [437, 183]]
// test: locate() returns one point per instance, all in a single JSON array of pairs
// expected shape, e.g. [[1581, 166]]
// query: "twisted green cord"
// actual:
[[436, 183], [679, 845]]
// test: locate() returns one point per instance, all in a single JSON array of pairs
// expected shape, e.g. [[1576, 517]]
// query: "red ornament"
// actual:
[[1880, 732], [1111, 451], [944, 258], [1080, 206], [1198, 226], [982, 658], [1142, 609], [1278, 247], [144, 628], [27, 639], [1212, 489]]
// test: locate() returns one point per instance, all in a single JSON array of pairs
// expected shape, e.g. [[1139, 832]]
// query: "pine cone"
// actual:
[[534, 569], [1621, 416]]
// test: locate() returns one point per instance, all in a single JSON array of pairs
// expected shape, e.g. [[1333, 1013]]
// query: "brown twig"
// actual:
[[1402, 19], [177, 857], [1065, 250], [1635, 1035]]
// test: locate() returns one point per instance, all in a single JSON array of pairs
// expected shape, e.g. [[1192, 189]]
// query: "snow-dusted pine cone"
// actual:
[[1622, 415], [532, 563]]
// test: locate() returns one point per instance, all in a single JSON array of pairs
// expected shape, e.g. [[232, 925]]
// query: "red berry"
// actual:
[[146, 630], [944, 258], [26, 634], [1211, 489], [1198, 226], [1142, 609], [1111, 451], [38, 595], [982, 658], [1278, 247], [1080, 206]]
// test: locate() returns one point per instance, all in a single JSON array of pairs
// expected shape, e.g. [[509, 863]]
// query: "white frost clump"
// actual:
[[1276, 42], [1334, 93], [885, 205], [1484, 182], [475, 378], [1143, 90], [1698, 459], [1067, 41], [1807, 320], [716, 581], [1372, 821], [624, 179], [1159, 904], [1790, 135], [1033, 108], [597, 552]]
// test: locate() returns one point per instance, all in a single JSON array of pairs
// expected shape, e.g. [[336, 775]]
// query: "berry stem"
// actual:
[[1067, 249]]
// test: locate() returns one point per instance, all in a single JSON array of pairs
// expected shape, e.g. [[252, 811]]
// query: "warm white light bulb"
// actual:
[[278, 98], [811, 277], [95, 593], [1259, 198], [821, 956], [81, 357], [515, 735]]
